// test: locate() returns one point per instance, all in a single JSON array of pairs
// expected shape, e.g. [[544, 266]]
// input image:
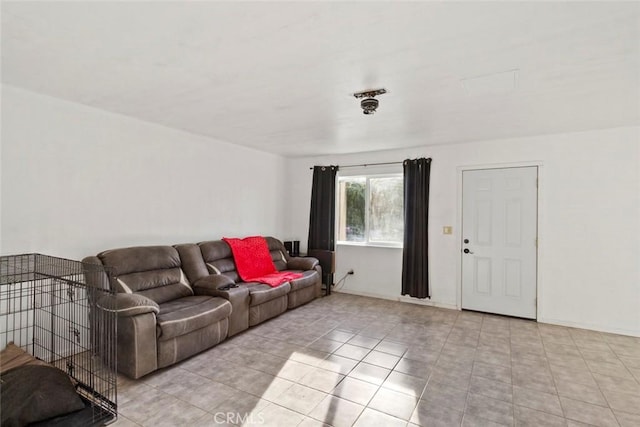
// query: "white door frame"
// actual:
[[458, 235]]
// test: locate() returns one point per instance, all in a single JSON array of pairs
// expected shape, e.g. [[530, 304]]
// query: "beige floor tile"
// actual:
[[566, 361], [573, 374], [414, 367], [325, 345], [336, 412], [592, 344], [626, 385], [406, 384], [611, 369], [469, 420], [394, 403], [123, 421], [587, 413], [300, 399], [384, 360], [492, 356], [445, 395], [364, 341], [275, 388], [541, 381], [492, 371], [621, 401], [355, 390], [537, 400], [321, 379], [352, 351], [339, 364], [601, 355], [371, 417], [310, 422], [561, 349], [174, 413], [309, 356], [627, 420], [422, 354], [370, 373], [629, 349], [241, 403], [491, 409], [390, 347], [275, 416], [589, 393], [458, 379], [491, 388], [430, 414], [574, 423], [294, 371], [218, 420], [340, 336], [526, 417], [207, 396]]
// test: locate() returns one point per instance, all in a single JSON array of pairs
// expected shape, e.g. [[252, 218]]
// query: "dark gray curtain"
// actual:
[[415, 265], [323, 208]]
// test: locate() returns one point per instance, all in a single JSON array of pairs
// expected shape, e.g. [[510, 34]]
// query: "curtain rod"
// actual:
[[368, 164]]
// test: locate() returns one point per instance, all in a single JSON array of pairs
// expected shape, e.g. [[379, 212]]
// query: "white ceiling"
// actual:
[[278, 76]]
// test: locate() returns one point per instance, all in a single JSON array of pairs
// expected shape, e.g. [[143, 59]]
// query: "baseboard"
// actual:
[[402, 298], [589, 326]]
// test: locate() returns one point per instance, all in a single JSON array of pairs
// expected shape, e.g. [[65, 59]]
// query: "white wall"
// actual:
[[76, 180], [589, 221]]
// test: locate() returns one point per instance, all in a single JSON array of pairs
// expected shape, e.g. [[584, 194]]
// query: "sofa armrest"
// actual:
[[209, 285], [302, 263], [128, 305], [238, 297]]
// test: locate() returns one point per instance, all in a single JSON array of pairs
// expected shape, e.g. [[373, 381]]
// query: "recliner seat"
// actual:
[[160, 320]]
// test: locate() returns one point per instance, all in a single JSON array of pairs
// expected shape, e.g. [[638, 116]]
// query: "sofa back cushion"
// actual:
[[219, 259], [152, 271]]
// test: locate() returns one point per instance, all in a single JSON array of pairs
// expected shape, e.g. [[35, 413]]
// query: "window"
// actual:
[[370, 210]]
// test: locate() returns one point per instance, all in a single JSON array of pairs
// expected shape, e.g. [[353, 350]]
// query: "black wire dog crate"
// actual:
[[48, 310]]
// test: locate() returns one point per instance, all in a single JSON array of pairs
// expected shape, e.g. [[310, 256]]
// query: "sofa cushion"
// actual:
[[277, 250], [140, 258], [309, 278], [184, 315], [260, 293], [151, 271]]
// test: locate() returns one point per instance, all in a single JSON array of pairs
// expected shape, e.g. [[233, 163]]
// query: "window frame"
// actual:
[[366, 242]]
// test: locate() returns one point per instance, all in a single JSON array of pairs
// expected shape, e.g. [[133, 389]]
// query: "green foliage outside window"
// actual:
[[371, 209]]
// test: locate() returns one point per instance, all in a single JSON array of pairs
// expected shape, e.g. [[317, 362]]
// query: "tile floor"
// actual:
[[345, 360]]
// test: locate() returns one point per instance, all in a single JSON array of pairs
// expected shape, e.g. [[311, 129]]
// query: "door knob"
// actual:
[[467, 251]]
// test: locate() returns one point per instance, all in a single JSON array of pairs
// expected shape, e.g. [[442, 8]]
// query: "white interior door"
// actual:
[[499, 247]]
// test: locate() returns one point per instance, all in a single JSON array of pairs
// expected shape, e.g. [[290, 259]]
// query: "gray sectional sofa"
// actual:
[[175, 301]]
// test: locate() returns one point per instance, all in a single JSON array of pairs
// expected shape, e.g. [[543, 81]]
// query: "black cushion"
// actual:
[[33, 393]]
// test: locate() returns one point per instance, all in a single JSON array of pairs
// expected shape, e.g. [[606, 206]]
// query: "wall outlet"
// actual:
[[447, 229]]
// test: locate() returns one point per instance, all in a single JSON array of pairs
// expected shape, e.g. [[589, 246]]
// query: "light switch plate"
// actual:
[[447, 229]]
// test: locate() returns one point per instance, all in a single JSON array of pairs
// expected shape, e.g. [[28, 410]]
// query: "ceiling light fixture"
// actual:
[[369, 104]]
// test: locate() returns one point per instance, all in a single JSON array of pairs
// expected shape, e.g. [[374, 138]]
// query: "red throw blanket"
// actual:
[[254, 264]]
